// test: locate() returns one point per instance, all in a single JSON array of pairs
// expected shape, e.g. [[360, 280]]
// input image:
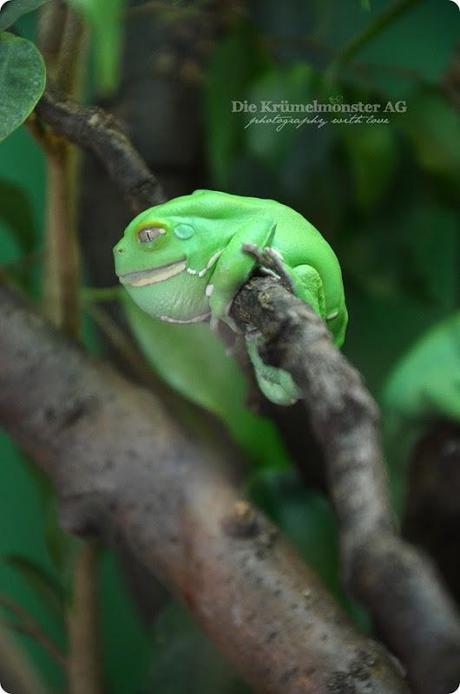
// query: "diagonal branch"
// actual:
[[398, 585], [16, 673], [123, 465], [97, 130], [28, 625]]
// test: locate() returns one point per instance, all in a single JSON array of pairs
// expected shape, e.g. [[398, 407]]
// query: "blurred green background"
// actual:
[[385, 196]]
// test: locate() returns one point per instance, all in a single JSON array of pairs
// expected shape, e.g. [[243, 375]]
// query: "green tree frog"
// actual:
[[184, 260]]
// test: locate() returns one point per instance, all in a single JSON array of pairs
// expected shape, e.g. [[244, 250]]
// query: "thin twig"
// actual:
[[166, 9], [84, 662], [71, 60], [29, 626], [66, 55], [62, 262], [62, 305], [52, 19], [16, 673], [121, 342], [96, 130], [375, 27]]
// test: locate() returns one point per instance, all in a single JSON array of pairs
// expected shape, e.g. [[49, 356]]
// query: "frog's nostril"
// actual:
[[119, 249]]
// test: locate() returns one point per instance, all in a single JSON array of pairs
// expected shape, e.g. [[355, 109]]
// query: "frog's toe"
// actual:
[[214, 324], [276, 393], [271, 263]]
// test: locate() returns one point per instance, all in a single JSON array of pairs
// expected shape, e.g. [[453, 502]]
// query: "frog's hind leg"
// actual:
[[337, 324], [308, 286], [305, 282], [276, 384]]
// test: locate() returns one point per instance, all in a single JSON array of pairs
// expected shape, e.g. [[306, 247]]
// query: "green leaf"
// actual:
[[233, 65], [396, 58], [105, 19], [15, 9], [124, 626], [409, 249], [426, 381], [433, 128], [43, 583], [271, 142], [22, 81], [193, 361], [16, 211], [373, 154]]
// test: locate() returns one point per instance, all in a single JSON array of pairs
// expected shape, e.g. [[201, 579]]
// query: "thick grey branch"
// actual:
[[398, 585], [122, 463], [97, 130]]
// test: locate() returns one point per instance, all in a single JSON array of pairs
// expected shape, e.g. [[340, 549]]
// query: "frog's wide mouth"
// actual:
[[143, 278]]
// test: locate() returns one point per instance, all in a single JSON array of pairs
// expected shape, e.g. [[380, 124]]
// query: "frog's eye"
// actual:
[[148, 234]]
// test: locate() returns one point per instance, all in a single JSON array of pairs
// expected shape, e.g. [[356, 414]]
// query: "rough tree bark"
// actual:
[[400, 587], [95, 129], [124, 467]]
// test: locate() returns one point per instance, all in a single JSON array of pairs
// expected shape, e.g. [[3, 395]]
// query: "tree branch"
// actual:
[[123, 466], [84, 660], [62, 306], [28, 625], [374, 28], [398, 585], [96, 130], [16, 673]]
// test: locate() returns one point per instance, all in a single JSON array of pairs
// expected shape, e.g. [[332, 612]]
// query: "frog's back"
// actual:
[[300, 243], [295, 233], [296, 239]]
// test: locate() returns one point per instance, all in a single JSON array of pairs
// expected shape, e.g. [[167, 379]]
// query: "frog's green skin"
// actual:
[[193, 269]]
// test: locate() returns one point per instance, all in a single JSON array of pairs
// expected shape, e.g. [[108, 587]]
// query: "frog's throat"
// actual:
[[143, 278]]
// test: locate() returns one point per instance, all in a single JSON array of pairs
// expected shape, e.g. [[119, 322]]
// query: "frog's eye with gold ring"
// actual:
[[148, 234]]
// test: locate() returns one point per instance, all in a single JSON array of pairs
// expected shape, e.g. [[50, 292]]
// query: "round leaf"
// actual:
[[426, 382], [22, 81], [15, 9]]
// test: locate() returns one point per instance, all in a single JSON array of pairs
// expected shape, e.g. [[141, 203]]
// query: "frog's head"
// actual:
[[165, 240], [154, 247]]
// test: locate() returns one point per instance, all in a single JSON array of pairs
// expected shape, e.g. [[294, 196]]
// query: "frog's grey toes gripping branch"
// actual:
[[271, 263]]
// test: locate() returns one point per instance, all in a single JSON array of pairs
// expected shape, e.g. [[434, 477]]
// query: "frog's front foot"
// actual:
[[271, 263]]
